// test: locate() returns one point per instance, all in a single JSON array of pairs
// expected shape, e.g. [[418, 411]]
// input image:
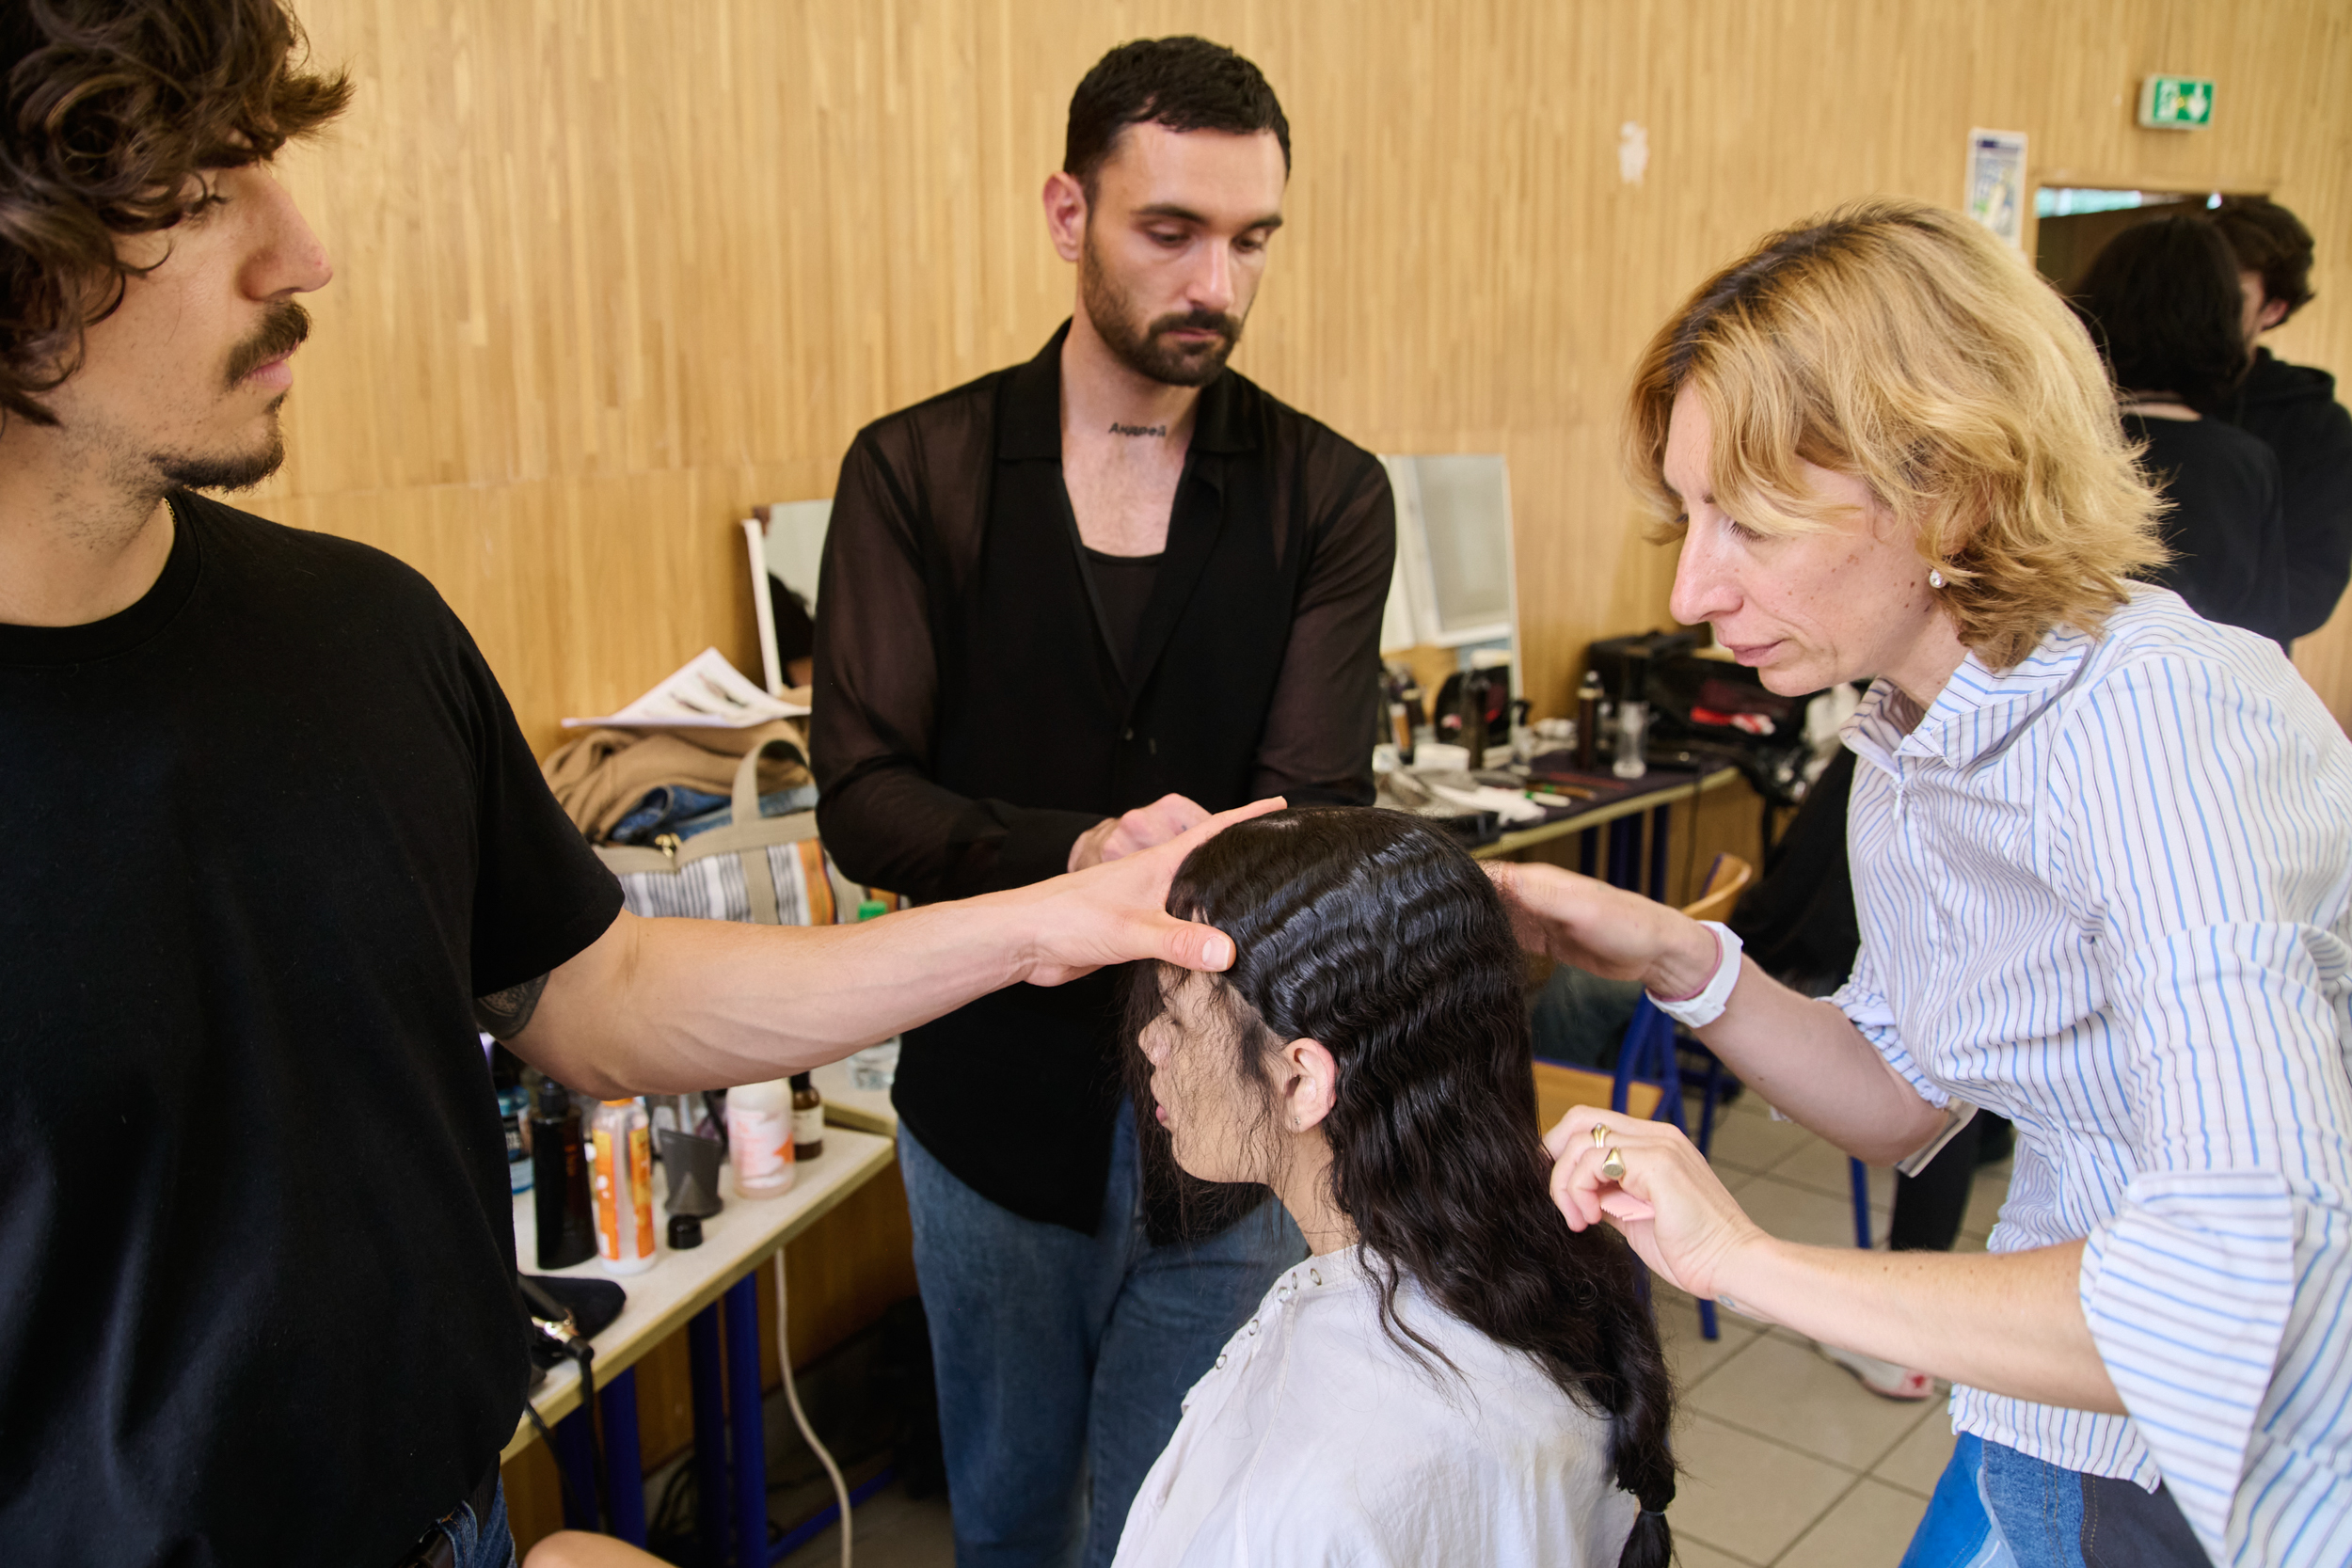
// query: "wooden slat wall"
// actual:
[[613, 272]]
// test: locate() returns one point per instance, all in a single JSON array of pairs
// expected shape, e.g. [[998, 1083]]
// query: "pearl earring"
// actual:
[[1935, 579]]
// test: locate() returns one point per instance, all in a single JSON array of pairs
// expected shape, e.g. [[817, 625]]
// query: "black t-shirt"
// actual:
[[270, 829], [2226, 530], [1122, 587]]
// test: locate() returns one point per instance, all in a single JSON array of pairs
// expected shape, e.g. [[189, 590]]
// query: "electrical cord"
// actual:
[[554, 1323], [799, 1417]]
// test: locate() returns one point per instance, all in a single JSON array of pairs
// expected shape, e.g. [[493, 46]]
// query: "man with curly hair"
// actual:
[[276, 851], [2293, 408]]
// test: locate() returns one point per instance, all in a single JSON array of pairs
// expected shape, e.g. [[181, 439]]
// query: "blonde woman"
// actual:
[[2101, 855]]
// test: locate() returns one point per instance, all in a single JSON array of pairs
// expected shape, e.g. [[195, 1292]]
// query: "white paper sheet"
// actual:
[[705, 692]]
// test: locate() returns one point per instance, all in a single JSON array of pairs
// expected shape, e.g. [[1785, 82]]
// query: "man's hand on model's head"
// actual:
[[1144, 828], [1117, 913]]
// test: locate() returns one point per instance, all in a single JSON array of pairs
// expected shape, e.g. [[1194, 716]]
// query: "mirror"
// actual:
[[1454, 598], [2072, 223], [786, 542]]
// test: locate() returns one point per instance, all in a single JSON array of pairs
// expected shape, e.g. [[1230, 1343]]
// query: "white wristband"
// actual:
[[1697, 1013]]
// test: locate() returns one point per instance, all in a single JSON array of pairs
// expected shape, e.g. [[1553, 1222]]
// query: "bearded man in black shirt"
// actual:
[[275, 847], [1065, 612]]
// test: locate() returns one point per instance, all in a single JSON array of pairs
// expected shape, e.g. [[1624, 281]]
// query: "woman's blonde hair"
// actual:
[[1901, 345]]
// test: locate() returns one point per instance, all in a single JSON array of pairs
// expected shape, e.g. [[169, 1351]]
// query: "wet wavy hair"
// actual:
[[1903, 344], [1373, 933], [114, 108]]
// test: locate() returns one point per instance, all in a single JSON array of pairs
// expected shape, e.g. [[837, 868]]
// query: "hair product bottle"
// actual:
[[1588, 700], [624, 1140], [759, 1137], [568, 1228], [808, 1120]]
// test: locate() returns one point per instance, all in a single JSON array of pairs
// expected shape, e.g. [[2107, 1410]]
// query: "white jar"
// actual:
[[759, 1137]]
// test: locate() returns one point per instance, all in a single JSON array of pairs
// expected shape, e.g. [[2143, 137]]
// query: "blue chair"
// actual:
[[1651, 1054]]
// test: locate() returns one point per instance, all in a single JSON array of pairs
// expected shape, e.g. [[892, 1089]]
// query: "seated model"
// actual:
[[1453, 1376]]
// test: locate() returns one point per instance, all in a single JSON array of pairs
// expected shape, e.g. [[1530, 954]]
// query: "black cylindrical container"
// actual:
[[559, 1180]]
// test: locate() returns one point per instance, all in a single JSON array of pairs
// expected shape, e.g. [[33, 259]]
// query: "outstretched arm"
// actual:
[[2011, 1323], [1802, 1055], [676, 1005]]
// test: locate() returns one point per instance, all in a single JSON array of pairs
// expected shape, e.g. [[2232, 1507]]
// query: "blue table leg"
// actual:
[[1588, 850], [705, 1359], [1658, 835], [624, 1462], [1861, 1204], [576, 1455], [1625, 849], [748, 1422]]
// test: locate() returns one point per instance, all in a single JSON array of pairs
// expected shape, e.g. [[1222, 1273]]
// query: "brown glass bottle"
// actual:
[[808, 1120]]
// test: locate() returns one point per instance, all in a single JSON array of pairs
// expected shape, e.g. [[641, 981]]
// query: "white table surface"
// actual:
[[680, 1284]]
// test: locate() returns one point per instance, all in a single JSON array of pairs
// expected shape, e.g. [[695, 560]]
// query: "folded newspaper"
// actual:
[[705, 692]]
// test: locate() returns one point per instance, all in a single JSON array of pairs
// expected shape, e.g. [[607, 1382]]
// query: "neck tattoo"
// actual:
[[1118, 428]]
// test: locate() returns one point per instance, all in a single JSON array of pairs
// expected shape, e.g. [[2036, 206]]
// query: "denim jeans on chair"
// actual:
[[1063, 1359]]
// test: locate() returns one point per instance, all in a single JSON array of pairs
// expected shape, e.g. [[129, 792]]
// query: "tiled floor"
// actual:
[[1788, 1462]]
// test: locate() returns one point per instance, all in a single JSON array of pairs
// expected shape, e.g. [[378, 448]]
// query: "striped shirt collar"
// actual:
[[1977, 712]]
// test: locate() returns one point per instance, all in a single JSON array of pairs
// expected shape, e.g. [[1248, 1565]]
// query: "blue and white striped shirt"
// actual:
[[2109, 894]]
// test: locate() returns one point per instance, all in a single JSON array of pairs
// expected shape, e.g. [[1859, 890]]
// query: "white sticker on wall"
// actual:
[[1633, 152]]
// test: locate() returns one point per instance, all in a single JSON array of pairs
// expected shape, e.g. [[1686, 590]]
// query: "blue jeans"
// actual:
[[1997, 1508], [481, 1542], [1063, 1359]]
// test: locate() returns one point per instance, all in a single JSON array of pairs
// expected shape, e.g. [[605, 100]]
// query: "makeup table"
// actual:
[[712, 1291], [1619, 806]]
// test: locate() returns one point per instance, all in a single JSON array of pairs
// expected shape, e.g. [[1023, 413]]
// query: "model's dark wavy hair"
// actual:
[[1375, 934], [114, 108], [2162, 301]]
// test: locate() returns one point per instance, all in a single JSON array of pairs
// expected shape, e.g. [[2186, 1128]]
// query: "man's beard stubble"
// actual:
[[282, 330], [1139, 347]]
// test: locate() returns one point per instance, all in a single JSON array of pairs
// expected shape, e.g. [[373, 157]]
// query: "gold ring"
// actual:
[[1600, 1136], [1613, 1168]]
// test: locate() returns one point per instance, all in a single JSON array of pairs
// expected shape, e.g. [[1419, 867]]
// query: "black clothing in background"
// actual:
[[272, 828], [975, 712], [2225, 528], [1798, 920], [2293, 408]]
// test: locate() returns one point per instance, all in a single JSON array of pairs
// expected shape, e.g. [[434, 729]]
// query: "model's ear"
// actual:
[[1309, 1082], [1066, 215], [2273, 311]]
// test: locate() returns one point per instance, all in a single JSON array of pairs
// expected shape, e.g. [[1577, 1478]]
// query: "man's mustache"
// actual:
[[1225, 326], [281, 332]]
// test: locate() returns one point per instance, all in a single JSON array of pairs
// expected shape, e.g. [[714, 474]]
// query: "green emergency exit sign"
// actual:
[[2175, 102]]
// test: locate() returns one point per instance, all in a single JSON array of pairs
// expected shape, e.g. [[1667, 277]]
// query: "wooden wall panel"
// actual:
[[611, 272]]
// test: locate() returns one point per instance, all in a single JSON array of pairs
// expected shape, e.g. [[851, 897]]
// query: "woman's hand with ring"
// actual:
[[1663, 1196]]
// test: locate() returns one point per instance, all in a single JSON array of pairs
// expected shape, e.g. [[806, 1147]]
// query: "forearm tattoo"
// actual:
[[503, 1013]]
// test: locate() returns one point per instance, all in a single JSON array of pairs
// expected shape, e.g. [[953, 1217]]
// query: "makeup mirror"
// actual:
[[786, 542], [1454, 598]]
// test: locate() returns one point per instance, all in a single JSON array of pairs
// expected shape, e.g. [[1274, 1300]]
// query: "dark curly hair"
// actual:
[[2162, 301], [114, 108], [1375, 934], [2268, 239], [1185, 83]]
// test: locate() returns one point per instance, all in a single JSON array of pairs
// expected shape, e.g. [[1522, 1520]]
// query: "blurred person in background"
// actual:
[[2162, 301], [2293, 408]]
